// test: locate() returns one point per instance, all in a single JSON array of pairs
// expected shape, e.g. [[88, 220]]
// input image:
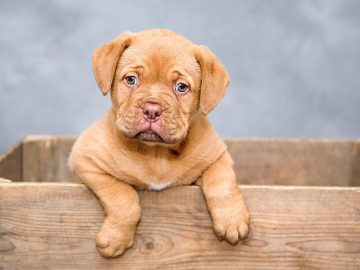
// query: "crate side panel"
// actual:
[[45, 159], [355, 170], [292, 162], [281, 162], [11, 163], [292, 228]]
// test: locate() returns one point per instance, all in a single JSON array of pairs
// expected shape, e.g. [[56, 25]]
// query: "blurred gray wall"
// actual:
[[295, 65]]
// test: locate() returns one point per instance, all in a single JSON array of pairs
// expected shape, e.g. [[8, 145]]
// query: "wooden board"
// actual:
[[257, 161], [11, 163], [296, 162], [355, 167], [45, 158], [53, 226]]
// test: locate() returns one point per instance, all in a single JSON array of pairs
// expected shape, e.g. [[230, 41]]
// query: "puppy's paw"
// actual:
[[113, 240], [231, 219]]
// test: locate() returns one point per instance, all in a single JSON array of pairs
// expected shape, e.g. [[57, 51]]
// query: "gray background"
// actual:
[[294, 64]]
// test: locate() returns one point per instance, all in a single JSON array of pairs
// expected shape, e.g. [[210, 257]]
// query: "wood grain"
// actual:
[[296, 162], [257, 161], [355, 157], [53, 226], [11, 163], [45, 158]]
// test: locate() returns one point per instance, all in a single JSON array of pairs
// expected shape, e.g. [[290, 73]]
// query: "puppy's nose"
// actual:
[[152, 111]]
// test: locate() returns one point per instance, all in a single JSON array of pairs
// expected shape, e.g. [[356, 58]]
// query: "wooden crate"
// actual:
[[304, 201]]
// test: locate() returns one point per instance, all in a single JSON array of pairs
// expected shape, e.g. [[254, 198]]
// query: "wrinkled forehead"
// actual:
[[158, 57]]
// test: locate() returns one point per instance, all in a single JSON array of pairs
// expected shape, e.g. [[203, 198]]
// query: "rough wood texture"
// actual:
[[45, 159], [11, 163], [53, 226], [257, 161], [355, 173], [296, 162]]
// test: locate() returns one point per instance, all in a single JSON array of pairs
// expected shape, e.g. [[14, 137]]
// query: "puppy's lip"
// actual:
[[149, 135]]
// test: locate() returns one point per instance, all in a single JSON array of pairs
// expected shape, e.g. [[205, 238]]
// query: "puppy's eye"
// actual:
[[130, 80], [181, 87]]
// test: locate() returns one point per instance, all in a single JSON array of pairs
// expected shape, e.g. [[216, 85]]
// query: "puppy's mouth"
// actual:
[[149, 135]]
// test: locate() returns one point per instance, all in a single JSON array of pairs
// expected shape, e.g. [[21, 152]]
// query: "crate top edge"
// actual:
[[8, 183], [290, 140], [36, 137], [30, 138]]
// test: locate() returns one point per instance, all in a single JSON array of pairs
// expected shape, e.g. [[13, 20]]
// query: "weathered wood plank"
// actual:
[[257, 161], [355, 173], [53, 226], [45, 158], [296, 162], [11, 163]]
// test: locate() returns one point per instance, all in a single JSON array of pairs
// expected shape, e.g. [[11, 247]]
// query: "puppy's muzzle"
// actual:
[[151, 114]]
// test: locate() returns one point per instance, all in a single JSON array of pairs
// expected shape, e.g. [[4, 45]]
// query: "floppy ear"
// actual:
[[106, 58], [214, 79]]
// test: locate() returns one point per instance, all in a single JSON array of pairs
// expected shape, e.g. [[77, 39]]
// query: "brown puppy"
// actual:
[[156, 134]]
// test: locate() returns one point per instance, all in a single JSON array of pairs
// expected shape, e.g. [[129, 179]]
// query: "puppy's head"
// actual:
[[158, 81]]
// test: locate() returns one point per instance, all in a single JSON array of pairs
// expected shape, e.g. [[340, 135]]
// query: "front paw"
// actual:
[[114, 239], [230, 217]]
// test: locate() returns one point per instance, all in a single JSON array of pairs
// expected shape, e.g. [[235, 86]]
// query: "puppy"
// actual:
[[156, 134]]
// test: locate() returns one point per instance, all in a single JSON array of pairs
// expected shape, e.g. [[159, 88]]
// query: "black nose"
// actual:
[[152, 111]]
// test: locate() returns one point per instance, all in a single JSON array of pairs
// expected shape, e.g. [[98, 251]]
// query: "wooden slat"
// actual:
[[257, 161], [53, 226], [296, 162], [355, 173], [45, 158], [11, 163]]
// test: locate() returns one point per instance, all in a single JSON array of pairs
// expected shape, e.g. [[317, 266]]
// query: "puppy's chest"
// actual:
[[158, 174]]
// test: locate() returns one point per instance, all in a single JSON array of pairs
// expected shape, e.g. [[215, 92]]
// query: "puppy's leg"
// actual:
[[229, 213], [122, 213]]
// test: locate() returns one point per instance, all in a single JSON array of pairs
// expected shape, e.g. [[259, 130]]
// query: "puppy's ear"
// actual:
[[106, 58], [214, 79]]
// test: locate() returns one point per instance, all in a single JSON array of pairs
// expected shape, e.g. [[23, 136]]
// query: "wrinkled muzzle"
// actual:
[[152, 121]]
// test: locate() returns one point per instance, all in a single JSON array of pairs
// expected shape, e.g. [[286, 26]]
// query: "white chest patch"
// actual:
[[161, 186]]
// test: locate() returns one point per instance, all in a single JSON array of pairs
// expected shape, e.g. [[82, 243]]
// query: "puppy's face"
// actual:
[[159, 81], [156, 89]]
